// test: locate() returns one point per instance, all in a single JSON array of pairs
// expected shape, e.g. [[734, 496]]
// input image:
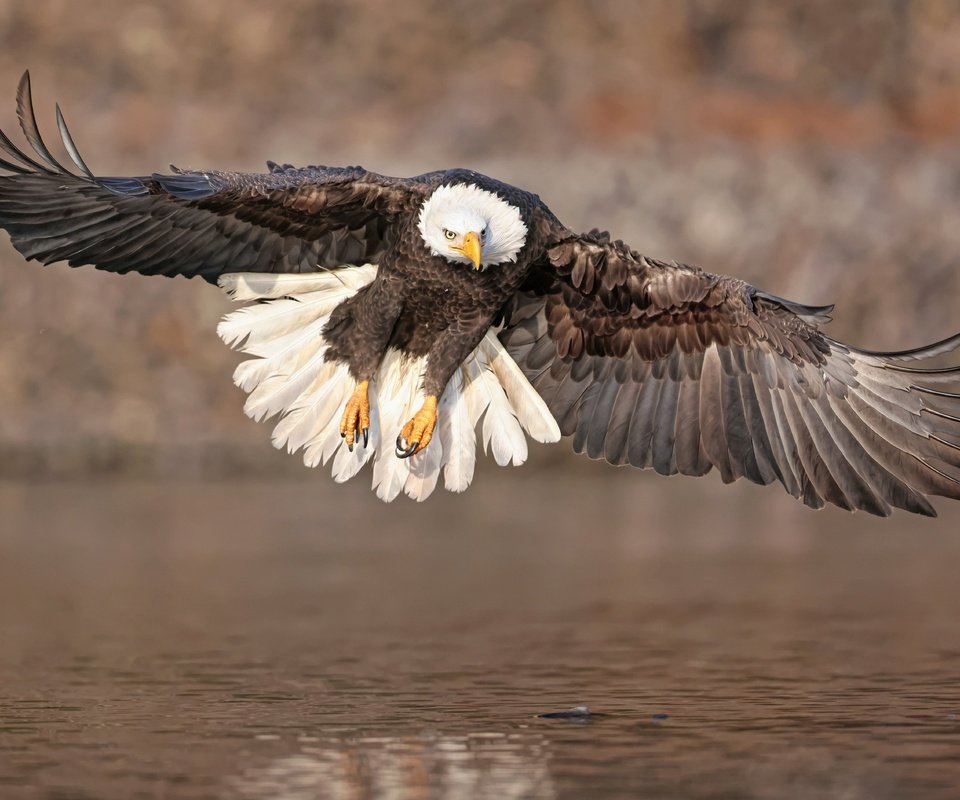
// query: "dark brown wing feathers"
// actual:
[[191, 223], [667, 366]]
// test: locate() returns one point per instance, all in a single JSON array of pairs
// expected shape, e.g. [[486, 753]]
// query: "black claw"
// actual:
[[366, 434], [350, 446], [343, 434], [403, 449]]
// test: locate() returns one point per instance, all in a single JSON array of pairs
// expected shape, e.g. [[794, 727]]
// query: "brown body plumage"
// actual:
[[424, 305], [643, 362]]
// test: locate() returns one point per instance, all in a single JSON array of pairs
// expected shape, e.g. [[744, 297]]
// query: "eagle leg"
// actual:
[[356, 416], [418, 432]]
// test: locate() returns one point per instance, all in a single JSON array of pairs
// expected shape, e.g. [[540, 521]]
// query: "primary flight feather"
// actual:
[[394, 318]]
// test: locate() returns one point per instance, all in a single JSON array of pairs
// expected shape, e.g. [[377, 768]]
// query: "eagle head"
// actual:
[[469, 225]]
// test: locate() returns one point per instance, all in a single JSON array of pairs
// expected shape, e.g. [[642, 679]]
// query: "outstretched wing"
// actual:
[[191, 223], [667, 366]]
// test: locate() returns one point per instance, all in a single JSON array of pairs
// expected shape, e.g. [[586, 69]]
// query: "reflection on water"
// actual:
[[476, 765], [305, 641]]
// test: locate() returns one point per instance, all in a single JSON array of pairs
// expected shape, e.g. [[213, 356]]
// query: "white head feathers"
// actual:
[[451, 213]]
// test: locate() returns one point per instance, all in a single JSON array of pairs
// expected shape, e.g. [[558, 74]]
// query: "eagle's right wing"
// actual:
[[192, 223]]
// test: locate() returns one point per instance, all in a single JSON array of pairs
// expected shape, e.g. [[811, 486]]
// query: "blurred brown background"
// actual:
[[809, 146], [162, 636]]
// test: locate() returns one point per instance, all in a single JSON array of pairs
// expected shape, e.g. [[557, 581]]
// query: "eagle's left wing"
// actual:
[[667, 366], [192, 223]]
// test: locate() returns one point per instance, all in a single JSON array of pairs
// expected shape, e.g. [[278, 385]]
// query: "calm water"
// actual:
[[305, 641]]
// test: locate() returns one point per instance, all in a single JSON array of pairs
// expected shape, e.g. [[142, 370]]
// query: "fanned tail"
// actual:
[[290, 376]]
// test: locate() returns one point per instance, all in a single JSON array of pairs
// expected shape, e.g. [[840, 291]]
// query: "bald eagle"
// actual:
[[394, 319]]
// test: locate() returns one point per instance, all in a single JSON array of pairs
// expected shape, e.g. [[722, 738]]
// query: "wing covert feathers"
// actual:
[[668, 367], [289, 376]]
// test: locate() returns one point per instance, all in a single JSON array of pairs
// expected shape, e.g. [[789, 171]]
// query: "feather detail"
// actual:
[[280, 391], [526, 402], [396, 389], [287, 358], [265, 322], [425, 469], [314, 412], [289, 375], [265, 285], [457, 435], [502, 434]]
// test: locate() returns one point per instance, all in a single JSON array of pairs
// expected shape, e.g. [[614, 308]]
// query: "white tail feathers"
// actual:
[[290, 375]]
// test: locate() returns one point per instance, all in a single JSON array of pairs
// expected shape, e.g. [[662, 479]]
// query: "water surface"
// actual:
[[257, 640]]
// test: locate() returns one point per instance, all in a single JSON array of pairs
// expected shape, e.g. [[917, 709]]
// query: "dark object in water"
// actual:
[[577, 712]]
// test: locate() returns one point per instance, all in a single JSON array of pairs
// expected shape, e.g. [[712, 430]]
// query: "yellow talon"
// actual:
[[356, 416], [418, 432]]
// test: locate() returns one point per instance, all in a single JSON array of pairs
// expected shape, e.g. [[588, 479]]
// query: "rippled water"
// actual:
[[305, 641]]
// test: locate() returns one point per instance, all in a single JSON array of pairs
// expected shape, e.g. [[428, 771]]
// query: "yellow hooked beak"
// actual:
[[470, 248]]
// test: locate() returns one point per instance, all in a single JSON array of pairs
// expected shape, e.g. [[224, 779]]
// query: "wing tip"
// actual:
[[943, 347], [31, 131], [24, 84]]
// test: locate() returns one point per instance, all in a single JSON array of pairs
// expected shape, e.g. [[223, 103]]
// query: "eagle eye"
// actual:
[[449, 234]]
